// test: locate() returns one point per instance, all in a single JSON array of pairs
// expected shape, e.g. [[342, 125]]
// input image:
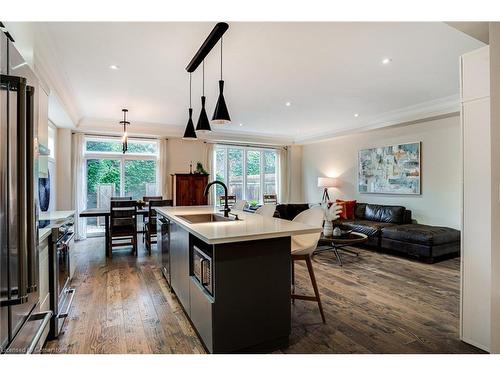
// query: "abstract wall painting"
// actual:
[[390, 169]]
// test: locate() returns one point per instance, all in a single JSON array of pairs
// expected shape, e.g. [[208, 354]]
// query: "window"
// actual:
[[249, 173], [111, 173], [52, 141]]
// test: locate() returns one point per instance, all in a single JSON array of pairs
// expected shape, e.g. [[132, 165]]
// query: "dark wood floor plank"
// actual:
[[376, 303]]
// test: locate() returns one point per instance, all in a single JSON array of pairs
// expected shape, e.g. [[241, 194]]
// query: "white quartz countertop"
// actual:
[[43, 233], [55, 215], [250, 227]]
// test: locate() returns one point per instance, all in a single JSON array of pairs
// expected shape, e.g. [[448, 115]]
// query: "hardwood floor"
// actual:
[[376, 303]]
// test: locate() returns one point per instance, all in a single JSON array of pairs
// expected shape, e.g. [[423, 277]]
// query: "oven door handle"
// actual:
[[66, 313], [39, 332]]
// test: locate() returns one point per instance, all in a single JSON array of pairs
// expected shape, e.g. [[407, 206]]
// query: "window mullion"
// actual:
[[244, 169], [261, 190]]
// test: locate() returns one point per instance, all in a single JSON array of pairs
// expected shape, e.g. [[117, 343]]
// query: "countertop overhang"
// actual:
[[251, 226], [55, 216]]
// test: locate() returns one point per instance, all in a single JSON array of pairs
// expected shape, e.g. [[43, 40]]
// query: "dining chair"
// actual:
[[150, 233], [302, 247], [266, 210], [231, 200], [239, 205], [147, 199], [152, 198], [123, 225], [270, 199]]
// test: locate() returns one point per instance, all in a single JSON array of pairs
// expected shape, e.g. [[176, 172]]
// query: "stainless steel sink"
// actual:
[[204, 218]]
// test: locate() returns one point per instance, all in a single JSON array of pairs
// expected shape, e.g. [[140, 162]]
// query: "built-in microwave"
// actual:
[[202, 269]]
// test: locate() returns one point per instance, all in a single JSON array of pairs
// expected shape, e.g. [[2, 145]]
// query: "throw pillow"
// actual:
[[349, 208], [343, 207]]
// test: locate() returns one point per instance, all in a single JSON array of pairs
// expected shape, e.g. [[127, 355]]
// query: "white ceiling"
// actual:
[[328, 71]]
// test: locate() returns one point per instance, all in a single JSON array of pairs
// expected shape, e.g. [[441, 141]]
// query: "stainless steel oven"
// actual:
[[202, 269], [61, 293]]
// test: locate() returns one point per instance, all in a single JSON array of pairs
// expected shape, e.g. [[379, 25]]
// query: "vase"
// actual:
[[328, 228]]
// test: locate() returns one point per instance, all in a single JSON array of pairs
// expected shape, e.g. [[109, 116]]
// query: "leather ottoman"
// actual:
[[421, 241]]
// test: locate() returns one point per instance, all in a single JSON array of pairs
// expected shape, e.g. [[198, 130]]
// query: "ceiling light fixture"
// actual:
[[189, 133], [288, 104], [386, 61], [203, 125], [221, 114], [356, 115], [241, 124], [124, 122], [114, 67]]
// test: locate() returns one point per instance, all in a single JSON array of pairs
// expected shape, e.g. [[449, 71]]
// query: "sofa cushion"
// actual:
[[289, 211], [422, 234], [386, 214], [370, 228], [359, 210]]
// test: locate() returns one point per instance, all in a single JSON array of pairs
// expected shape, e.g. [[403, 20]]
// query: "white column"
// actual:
[[495, 184], [477, 199]]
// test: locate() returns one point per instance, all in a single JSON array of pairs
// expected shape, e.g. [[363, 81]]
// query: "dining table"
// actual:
[[106, 213]]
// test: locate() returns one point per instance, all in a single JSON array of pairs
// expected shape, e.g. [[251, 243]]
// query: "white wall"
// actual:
[[63, 170], [180, 154], [439, 203], [296, 176]]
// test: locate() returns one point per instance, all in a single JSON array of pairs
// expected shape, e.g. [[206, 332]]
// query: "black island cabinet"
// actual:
[[236, 295]]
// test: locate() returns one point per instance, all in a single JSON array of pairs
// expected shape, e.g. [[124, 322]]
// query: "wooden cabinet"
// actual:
[[189, 188]]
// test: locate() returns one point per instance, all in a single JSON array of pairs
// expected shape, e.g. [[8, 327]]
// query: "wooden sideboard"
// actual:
[[188, 189]]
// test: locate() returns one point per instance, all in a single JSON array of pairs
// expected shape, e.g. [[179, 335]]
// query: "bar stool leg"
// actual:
[[315, 286]]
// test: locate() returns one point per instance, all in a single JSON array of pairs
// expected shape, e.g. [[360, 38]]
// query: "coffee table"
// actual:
[[330, 243]]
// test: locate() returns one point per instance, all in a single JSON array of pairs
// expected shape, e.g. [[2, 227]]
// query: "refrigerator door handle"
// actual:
[[31, 182], [18, 84]]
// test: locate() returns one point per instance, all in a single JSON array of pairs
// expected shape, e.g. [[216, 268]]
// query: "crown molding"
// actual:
[[442, 107], [46, 65], [148, 129]]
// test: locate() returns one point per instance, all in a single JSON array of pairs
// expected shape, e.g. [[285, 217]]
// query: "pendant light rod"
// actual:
[[209, 43]]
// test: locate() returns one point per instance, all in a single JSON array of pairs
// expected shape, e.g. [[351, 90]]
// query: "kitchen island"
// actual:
[[232, 277]]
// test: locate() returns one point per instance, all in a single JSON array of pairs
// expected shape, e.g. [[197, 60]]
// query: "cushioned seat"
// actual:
[[422, 234], [368, 227]]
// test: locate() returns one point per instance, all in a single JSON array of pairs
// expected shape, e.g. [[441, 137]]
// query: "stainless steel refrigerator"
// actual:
[[21, 324]]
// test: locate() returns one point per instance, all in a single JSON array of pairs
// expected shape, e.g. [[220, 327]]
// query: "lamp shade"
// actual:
[[203, 125], [221, 114], [327, 182], [189, 133]]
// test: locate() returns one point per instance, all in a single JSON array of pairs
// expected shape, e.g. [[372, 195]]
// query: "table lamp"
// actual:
[[326, 183]]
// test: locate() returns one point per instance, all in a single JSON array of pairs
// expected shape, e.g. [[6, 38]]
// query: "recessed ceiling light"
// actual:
[[288, 104], [114, 67], [386, 61], [241, 124], [356, 115]]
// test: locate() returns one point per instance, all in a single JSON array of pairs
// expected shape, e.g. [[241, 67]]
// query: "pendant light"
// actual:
[[189, 133], [203, 125], [125, 136], [221, 114]]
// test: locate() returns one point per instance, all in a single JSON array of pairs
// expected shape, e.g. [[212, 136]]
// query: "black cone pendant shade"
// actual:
[[189, 133], [203, 125], [221, 114]]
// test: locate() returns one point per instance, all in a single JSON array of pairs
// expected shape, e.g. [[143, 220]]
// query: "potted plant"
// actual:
[[200, 169]]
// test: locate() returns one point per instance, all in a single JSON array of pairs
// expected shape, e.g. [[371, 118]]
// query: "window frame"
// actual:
[[121, 157], [245, 150]]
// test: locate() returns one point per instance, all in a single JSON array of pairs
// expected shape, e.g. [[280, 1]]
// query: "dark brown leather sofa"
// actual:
[[392, 228]]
